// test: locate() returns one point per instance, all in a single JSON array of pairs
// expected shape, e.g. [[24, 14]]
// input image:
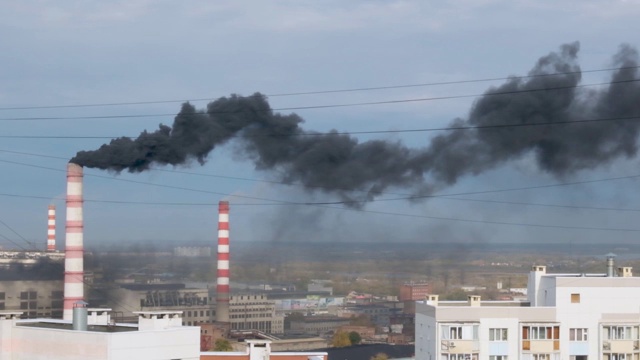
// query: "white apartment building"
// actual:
[[566, 317]]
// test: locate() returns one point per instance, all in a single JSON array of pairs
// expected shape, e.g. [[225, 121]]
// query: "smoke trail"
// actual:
[[340, 164]]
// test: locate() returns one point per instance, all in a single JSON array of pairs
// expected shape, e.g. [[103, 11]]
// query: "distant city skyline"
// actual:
[[146, 53]]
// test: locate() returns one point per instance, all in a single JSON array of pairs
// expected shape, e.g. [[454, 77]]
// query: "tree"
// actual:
[[355, 338], [380, 356], [222, 345], [341, 339]]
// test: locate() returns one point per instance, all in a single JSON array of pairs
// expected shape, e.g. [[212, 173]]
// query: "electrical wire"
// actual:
[[317, 92], [452, 128], [403, 196], [328, 205], [384, 102]]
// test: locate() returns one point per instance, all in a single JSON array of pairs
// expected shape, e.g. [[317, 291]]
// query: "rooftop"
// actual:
[[62, 325]]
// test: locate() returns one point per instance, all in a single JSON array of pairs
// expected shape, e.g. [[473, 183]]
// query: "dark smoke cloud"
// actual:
[[340, 164]]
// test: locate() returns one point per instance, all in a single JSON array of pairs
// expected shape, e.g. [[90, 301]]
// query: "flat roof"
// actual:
[[59, 325]]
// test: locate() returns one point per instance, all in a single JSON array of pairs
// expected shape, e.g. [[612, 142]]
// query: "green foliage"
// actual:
[[380, 356], [355, 338], [341, 339], [222, 345]]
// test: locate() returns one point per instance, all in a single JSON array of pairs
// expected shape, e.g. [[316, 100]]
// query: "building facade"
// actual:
[[33, 298], [414, 291], [254, 312], [566, 317]]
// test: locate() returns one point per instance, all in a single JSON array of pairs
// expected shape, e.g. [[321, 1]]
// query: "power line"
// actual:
[[453, 128], [384, 102], [345, 202], [15, 232], [13, 242], [359, 89]]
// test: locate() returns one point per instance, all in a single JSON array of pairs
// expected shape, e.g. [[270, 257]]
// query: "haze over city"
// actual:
[[77, 75]]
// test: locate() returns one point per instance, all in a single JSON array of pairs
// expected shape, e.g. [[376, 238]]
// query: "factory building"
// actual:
[[254, 312], [566, 317], [33, 298], [194, 303], [318, 325], [92, 334], [414, 291]]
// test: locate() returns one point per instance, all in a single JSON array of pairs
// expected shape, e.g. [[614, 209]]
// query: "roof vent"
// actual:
[[80, 315]]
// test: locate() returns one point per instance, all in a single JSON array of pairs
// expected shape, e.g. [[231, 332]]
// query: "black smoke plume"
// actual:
[[340, 164]]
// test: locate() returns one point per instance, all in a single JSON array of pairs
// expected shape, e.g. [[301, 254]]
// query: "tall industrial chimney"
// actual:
[[222, 288], [51, 228], [74, 248]]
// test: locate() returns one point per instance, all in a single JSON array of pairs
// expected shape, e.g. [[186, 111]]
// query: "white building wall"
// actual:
[[34, 343], [509, 347], [176, 343], [426, 335], [595, 303], [571, 301]]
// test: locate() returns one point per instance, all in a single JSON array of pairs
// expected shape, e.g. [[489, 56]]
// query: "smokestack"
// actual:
[[222, 288], [74, 249], [51, 229]]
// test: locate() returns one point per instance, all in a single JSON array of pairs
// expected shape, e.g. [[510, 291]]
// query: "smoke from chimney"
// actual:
[[340, 164]]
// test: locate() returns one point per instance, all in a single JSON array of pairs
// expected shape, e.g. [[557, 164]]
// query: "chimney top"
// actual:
[[474, 300], [539, 268], [432, 300]]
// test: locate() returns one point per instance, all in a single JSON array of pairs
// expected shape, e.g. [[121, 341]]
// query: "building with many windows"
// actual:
[[566, 317]]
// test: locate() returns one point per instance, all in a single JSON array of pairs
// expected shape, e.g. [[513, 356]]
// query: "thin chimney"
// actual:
[[222, 288], [74, 248], [51, 228]]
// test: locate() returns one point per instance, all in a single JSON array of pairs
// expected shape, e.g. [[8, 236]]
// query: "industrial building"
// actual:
[[566, 316], [33, 298], [92, 334], [414, 291]]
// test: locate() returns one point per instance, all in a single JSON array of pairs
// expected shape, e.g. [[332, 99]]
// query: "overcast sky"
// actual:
[[56, 53]]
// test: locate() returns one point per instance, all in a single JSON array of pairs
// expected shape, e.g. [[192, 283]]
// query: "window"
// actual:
[[498, 357], [578, 334], [620, 333], [459, 332], [498, 335], [575, 298], [540, 356], [618, 356], [459, 357], [540, 333], [455, 332]]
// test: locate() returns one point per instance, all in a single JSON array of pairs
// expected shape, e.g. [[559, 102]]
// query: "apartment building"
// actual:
[[566, 317]]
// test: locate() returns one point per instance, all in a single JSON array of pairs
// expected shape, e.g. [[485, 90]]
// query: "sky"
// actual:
[[149, 57]]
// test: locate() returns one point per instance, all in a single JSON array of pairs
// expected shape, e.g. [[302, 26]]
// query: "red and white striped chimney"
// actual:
[[222, 288], [51, 228], [74, 248]]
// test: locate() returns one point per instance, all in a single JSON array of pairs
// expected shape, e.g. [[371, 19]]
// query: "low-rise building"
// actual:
[[158, 335], [318, 325]]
